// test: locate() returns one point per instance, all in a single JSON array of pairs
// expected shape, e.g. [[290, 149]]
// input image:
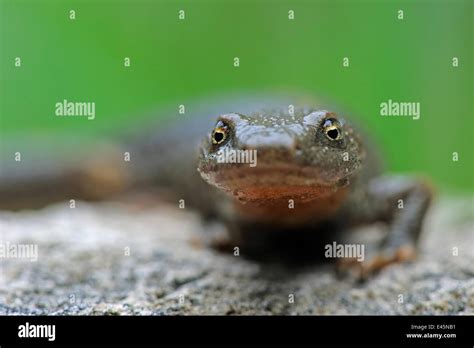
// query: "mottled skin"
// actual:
[[315, 180], [309, 185]]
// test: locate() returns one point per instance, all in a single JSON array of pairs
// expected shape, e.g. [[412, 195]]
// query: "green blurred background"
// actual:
[[173, 61]]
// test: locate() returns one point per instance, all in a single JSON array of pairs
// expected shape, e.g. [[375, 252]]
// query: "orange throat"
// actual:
[[288, 204]]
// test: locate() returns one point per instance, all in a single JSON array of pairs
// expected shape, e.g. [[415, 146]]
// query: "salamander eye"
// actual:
[[332, 129], [220, 133]]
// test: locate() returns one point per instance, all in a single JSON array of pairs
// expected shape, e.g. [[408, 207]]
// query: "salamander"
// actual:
[[316, 178]]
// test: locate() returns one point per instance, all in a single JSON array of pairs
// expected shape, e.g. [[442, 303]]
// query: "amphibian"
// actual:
[[315, 179]]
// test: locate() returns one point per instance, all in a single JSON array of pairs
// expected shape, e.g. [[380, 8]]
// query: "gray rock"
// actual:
[[84, 268]]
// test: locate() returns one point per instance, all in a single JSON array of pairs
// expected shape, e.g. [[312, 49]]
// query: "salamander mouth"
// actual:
[[276, 181]]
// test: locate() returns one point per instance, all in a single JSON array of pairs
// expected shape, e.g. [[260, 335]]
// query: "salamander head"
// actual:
[[277, 155]]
